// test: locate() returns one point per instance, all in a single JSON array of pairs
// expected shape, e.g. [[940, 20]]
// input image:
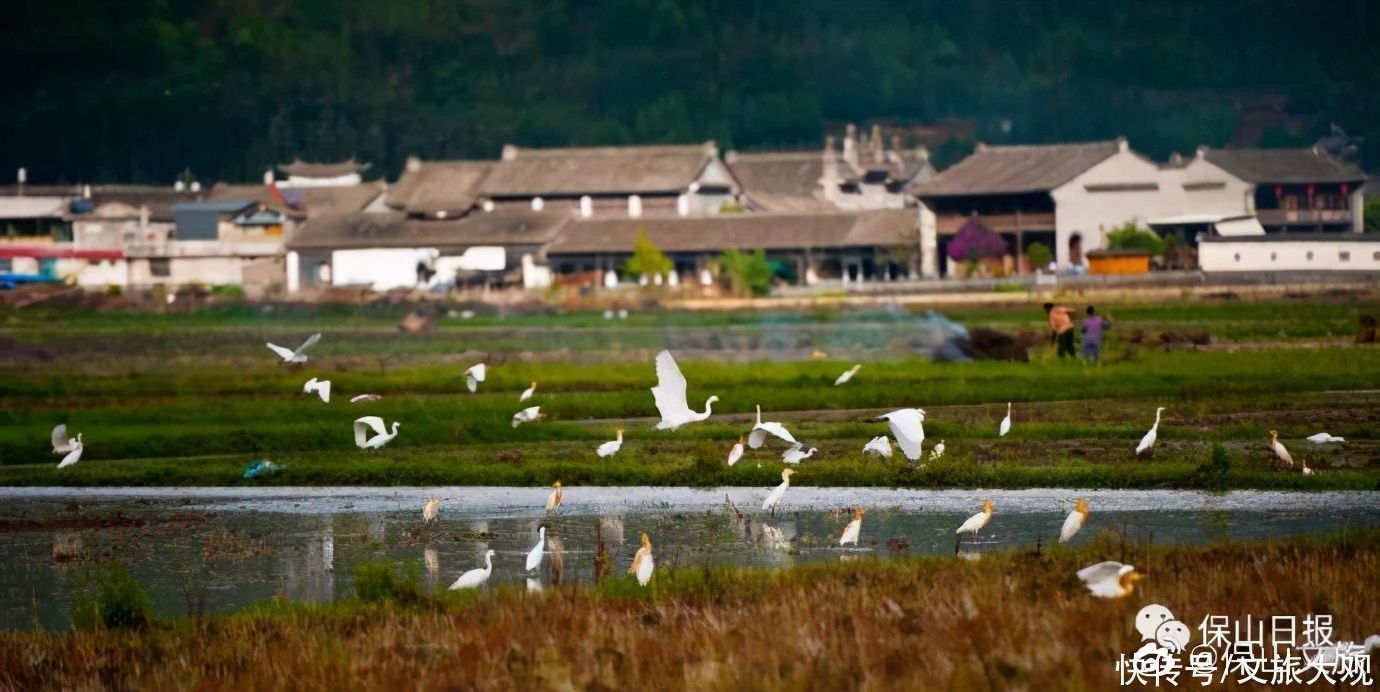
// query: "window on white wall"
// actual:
[[586, 206], [1309, 256], [1237, 257], [1375, 256], [1272, 256], [538, 204], [1344, 256], [634, 206]]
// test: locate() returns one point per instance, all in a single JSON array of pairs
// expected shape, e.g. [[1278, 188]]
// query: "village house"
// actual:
[[1296, 189]]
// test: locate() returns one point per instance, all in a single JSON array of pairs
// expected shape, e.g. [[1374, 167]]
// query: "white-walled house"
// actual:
[[1291, 252]]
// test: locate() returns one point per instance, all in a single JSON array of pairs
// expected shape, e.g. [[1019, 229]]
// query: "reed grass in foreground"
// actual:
[[1006, 621]]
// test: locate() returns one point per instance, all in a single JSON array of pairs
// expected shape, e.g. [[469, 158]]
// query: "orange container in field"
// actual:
[[1118, 262]]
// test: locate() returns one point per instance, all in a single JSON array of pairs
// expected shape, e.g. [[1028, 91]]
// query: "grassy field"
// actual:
[[1017, 620], [198, 415]]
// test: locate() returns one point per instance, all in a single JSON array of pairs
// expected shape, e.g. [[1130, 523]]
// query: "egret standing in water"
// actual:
[[381, 435], [1149, 440], [760, 431], [430, 509], [778, 491], [1281, 453], [474, 375], [847, 375], [977, 521], [526, 415], [321, 387], [669, 395], [553, 501], [298, 356], [1075, 520], [736, 453], [850, 532], [474, 578], [527, 393], [1110, 579], [534, 555], [1005, 426], [611, 447], [908, 427], [642, 564]]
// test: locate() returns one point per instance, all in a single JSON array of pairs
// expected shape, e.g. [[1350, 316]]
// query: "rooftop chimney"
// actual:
[[413, 164], [510, 152], [850, 145]]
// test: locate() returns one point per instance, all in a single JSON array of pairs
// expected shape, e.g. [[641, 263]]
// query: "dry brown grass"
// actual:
[[1005, 622]]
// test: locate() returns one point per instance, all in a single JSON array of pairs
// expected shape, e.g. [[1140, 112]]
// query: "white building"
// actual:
[[1291, 252]]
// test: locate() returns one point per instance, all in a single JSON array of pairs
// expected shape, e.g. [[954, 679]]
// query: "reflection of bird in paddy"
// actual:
[[1110, 579], [611, 529], [736, 453], [534, 555], [847, 375], [778, 491], [669, 395], [850, 532], [1149, 440], [642, 564], [977, 521], [74, 455], [431, 508], [553, 501], [1075, 520], [611, 447], [1281, 454], [475, 577]]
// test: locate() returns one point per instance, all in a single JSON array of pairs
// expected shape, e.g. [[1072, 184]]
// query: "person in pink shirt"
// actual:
[[1094, 326]]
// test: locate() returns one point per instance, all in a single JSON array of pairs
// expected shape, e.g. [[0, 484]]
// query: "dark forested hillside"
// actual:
[[143, 89]]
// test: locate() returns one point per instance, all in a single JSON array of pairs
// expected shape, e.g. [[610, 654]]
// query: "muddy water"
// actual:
[[210, 550]]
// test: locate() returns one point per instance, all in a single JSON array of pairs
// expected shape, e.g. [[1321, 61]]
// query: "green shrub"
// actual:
[[751, 272], [647, 259], [380, 581], [1039, 255], [110, 598], [1132, 237], [227, 291]]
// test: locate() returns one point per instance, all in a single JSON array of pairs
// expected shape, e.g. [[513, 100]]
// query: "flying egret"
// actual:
[[477, 576], [908, 427], [642, 564], [1005, 426], [938, 451], [321, 387], [1110, 579], [1075, 520], [381, 435], [1281, 453], [553, 501], [363, 398], [611, 447], [1323, 438], [1149, 439], [298, 356], [61, 442], [527, 393], [977, 521], [796, 453], [847, 375], [1305, 468], [669, 395], [474, 375], [760, 431], [736, 453], [431, 508], [534, 555], [879, 445], [778, 491], [850, 532], [526, 415], [73, 456]]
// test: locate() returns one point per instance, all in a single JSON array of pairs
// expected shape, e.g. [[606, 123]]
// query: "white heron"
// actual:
[[534, 555], [61, 442], [669, 394], [1323, 438], [908, 427], [527, 393], [795, 454], [642, 564], [850, 532], [760, 430], [1075, 520], [526, 415], [1281, 453], [977, 521], [848, 374], [321, 387], [611, 447], [476, 577], [937, 451], [1110, 579], [879, 446], [1303, 466], [1149, 439], [474, 375], [381, 434], [736, 453], [74, 455], [1005, 426], [364, 398], [430, 509], [298, 356], [553, 501], [778, 491]]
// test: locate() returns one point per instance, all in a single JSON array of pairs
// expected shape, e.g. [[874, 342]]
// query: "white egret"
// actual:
[[474, 578], [474, 375], [1305, 468], [321, 387], [381, 435], [736, 453], [534, 555], [795, 454], [1281, 453], [1005, 426], [977, 521], [73, 456], [431, 508], [1075, 520], [669, 395], [526, 415], [642, 564], [527, 393], [760, 431], [1149, 439], [363, 398], [778, 491], [553, 501], [850, 532], [298, 356], [847, 375], [1323, 438], [879, 445], [938, 451], [61, 442], [908, 427], [611, 447], [1110, 579]]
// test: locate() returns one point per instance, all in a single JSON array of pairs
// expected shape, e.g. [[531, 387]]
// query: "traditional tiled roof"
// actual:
[[574, 171], [1017, 169], [396, 229], [303, 202], [1283, 166], [430, 187], [781, 181], [739, 231]]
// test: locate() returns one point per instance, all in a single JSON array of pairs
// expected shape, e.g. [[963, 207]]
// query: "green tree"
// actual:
[[647, 259], [750, 272], [1039, 255], [1133, 237]]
